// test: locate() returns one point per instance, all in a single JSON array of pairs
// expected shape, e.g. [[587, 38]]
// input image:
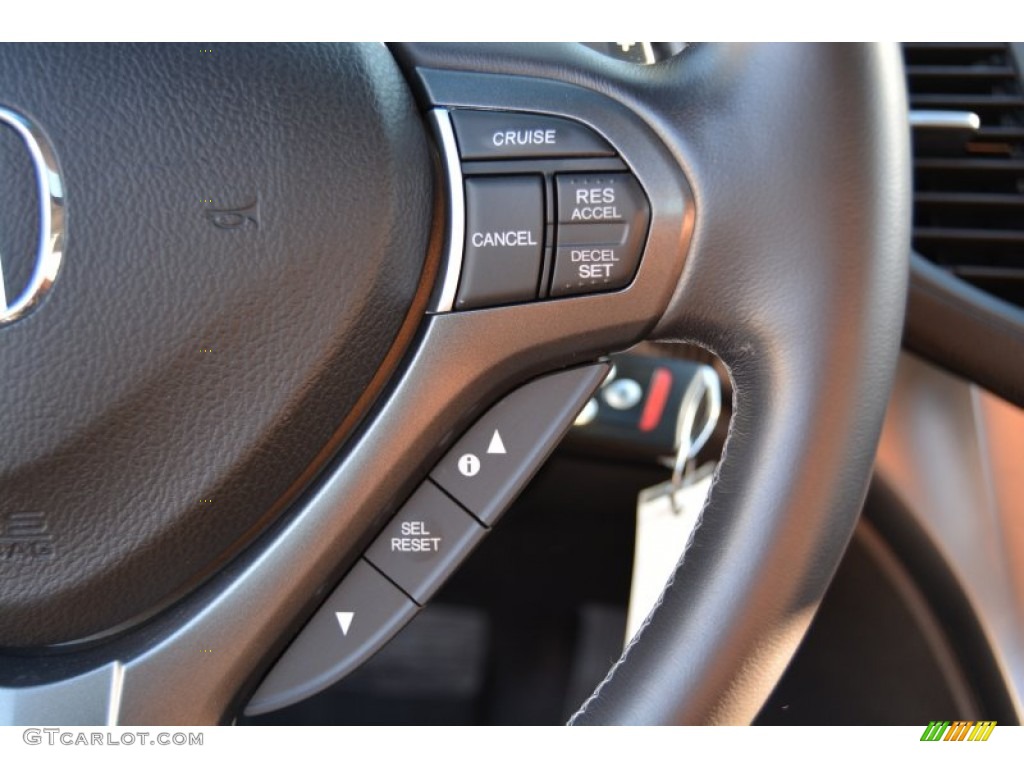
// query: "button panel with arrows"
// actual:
[[430, 535]]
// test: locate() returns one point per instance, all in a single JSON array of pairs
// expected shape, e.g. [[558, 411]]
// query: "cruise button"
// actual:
[[504, 135]]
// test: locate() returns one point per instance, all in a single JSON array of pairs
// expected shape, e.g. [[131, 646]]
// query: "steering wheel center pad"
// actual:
[[246, 232]]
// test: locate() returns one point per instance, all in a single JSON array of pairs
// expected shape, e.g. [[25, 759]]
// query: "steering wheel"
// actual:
[[242, 370]]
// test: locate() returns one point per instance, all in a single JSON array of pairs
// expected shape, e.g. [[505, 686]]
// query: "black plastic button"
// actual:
[[591, 268], [505, 135], [602, 227], [425, 542], [595, 199], [504, 241], [359, 617], [493, 462]]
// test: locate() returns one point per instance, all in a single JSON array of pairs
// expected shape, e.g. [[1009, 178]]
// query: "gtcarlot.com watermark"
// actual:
[[73, 737]]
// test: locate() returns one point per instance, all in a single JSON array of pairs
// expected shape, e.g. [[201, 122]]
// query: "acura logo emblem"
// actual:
[[17, 301]]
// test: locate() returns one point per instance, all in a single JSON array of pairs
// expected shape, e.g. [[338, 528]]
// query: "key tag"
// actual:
[[667, 514]]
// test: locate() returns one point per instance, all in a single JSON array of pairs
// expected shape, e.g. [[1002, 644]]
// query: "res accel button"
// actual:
[[505, 135], [600, 198], [504, 241]]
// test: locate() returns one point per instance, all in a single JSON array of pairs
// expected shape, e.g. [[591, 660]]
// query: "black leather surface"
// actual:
[[799, 161], [965, 330], [116, 425]]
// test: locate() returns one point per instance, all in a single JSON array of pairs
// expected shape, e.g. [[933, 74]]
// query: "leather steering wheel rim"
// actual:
[[798, 157], [803, 299]]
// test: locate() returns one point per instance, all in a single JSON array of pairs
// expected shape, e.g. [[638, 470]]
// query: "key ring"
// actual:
[[704, 389]]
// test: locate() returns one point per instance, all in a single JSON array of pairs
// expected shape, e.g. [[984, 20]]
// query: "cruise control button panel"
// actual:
[[434, 530], [550, 211], [493, 462]]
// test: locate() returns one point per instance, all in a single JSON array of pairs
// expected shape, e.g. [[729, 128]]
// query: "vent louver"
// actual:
[[969, 178]]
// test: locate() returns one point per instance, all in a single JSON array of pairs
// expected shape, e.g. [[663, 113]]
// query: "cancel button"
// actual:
[[504, 241]]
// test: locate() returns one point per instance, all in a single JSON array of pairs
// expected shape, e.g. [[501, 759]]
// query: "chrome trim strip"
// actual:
[[50, 250], [116, 686], [456, 211], [81, 700], [950, 120], [3, 286]]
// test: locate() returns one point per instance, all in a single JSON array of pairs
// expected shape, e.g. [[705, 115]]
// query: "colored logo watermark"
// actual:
[[958, 730]]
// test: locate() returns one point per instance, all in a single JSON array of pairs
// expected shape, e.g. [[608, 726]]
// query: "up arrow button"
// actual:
[[496, 445]]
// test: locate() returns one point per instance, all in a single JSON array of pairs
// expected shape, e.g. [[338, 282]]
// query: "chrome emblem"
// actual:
[[50, 249]]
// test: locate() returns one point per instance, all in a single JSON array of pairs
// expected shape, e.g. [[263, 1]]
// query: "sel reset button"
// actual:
[[424, 543]]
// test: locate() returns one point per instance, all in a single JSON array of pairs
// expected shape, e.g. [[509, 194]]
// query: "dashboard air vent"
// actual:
[[967, 113]]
